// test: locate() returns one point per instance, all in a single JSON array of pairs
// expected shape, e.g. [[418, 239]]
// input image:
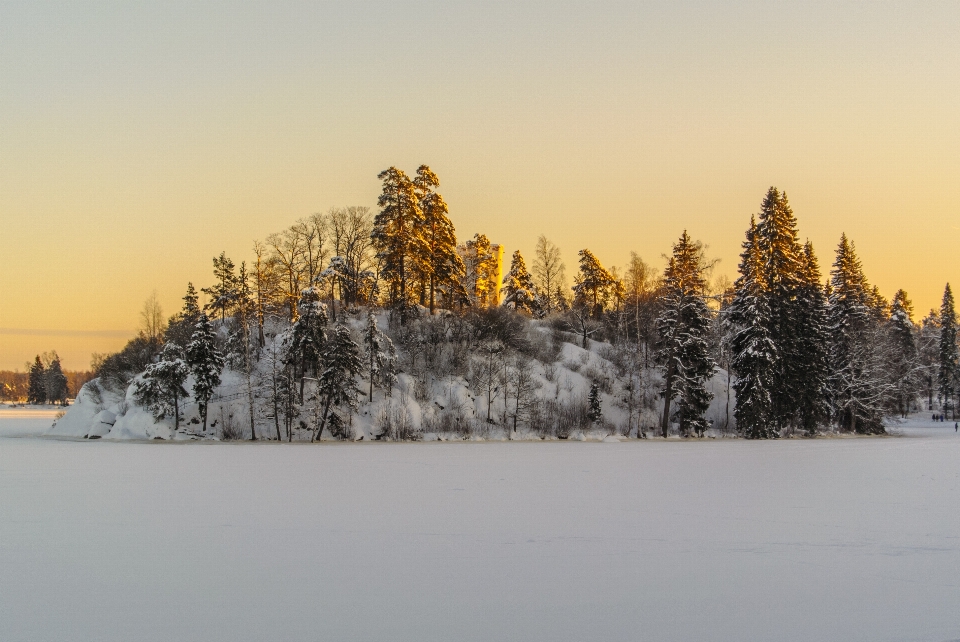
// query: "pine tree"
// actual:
[[905, 367], [682, 349], [947, 372], [481, 271], [398, 233], [592, 285], [595, 413], [855, 375], [518, 289], [37, 390], [754, 352], [337, 385], [381, 356], [811, 347], [441, 265], [928, 354], [55, 382], [161, 387], [205, 363], [223, 293]]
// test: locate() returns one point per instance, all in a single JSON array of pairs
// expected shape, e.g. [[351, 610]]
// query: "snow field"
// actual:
[[830, 539]]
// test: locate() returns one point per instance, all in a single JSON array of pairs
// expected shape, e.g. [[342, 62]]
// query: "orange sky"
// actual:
[[136, 142]]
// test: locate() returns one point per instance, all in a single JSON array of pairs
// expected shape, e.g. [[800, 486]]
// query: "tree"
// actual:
[[595, 414], [223, 293], [856, 375], [905, 369], [521, 387], [518, 289], [151, 318], [683, 326], [181, 326], [337, 385], [548, 273], [811, 345], [397, 233], [161, 387], [754, 352], [441, 266], [481, 271], [205, 363], [592, 287], [640, 304], [782, 277], [281, 383], [928, 353], [308, 336], [486, 368], [37, 390], [381, 356], [949, 362], [56, 382]]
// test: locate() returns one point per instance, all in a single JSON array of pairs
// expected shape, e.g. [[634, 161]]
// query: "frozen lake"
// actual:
[[830, 539]]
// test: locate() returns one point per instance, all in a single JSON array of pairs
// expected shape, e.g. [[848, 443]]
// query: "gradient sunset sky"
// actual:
[[140, 139]]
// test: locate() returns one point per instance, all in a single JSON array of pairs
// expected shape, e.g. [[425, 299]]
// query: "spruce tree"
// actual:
[[855, 374], [683, 327], [205, 363], [37, 390], [337, 385], [949, 361], [381, 356], [811, 347], [595, 413], [308, 336], [55, 382], [161, 387], [481, 271], [782, 275], [905, 366], [181, 325], [518, 289], [754, 352]]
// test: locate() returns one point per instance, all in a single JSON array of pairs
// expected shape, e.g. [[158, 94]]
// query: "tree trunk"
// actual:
[[667, 395], [323, 421]]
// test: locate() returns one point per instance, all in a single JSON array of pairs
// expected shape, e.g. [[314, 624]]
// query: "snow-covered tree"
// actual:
[[595, 412], [398, 233], [928, 354], [754, 352], [205, 362], [380, 357], [811, 347], [948, 372], [904, 367], [683, 327], [856, 374], [518, 289], [308, 336], [161, 386], [37, 389], [337, 384]]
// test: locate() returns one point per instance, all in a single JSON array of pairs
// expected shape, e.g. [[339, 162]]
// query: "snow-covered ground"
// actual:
[[826, 539]]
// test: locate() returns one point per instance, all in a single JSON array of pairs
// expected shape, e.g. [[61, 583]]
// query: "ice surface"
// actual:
[[826, 539]]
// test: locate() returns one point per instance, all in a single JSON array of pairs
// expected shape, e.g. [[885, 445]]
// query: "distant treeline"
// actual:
[[51, 384]]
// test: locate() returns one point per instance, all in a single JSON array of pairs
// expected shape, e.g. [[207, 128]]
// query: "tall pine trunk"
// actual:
[[667, 395]]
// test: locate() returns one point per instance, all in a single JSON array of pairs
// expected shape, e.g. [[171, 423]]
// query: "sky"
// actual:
[[139, 140]]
